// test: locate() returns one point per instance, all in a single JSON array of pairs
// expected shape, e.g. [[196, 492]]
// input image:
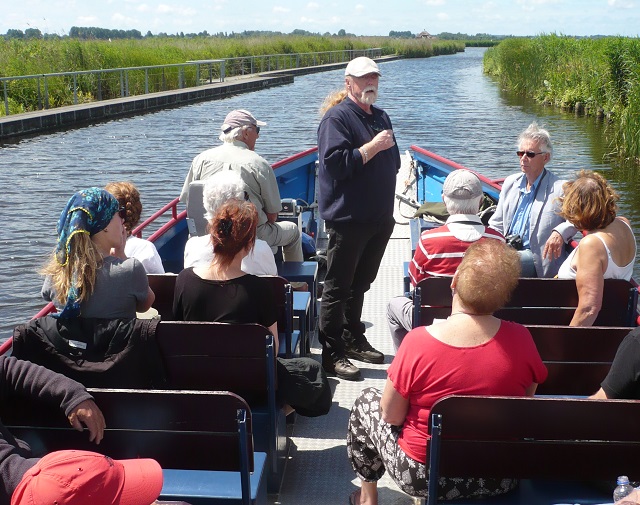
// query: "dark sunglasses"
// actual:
[[528, 154], [257, 129], [122, 212], [377, 128]]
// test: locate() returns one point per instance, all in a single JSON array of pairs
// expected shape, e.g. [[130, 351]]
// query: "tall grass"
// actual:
[[602, 75], [36, 56]]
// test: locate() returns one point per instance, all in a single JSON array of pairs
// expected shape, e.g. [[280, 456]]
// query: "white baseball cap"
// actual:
[[362, 66]]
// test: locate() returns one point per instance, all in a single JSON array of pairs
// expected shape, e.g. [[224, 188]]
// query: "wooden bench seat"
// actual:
[[561, 440], [232, 357], [534, 301], [202, 439], [292, 341], [577, 358]]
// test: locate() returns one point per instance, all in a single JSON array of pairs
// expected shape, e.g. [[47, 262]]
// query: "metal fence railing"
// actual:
[[44, 91]]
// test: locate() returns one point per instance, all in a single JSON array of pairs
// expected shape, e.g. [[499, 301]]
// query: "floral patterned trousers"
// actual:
[[372, 447]]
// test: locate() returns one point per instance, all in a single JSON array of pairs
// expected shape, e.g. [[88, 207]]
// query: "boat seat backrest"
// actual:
[[577, 358], [191, 430], [196, 220], [533, 437], [535, 301], [163, 286], [218, 356]]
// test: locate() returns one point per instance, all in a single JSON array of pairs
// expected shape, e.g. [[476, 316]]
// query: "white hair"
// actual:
[[220, 188], [459, 206], [537, 134], [232, 135]]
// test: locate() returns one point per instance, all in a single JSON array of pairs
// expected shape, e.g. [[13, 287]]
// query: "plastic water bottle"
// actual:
[[623, 489]]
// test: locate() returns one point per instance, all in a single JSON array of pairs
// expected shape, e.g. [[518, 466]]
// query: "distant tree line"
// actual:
[[92, 32]]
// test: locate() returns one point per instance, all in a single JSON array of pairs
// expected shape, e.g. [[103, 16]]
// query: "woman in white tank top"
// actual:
[[607, 251]]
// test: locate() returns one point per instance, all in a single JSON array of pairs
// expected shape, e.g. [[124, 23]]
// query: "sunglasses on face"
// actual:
[[122, 212], [257, 129], [377, 128], [528, 154]]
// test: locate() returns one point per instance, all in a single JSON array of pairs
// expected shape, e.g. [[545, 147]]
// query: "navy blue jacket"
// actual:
[[349, 190]]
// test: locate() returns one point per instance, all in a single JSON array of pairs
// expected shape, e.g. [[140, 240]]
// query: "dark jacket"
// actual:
[[104, 353], [26, 379], [349, 190]]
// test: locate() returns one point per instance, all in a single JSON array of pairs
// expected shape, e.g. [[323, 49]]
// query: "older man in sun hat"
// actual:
[[239, 132], [441, 249], [358, 164]]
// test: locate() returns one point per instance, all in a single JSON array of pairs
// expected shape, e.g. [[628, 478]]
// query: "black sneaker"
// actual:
[[341, 367], [362, 350]]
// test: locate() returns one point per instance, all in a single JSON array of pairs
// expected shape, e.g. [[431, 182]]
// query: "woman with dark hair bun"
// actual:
[[223, 292]]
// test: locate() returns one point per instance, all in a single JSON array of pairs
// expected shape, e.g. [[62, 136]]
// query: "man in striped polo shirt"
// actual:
[[441, 249]]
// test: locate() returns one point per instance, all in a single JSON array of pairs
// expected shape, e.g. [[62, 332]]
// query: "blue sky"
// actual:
[[372, 17]]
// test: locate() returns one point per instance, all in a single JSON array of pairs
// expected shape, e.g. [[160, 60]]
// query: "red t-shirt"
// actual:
[[426, 369]]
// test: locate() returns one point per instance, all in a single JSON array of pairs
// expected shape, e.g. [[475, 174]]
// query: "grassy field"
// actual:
[[36, 56], [600, 77]]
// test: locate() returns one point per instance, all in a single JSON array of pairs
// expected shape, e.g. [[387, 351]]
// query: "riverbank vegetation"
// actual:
[[20, 57], [599, 77]]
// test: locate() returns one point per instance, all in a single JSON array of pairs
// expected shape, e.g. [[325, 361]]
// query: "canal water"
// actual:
[[444, 104]]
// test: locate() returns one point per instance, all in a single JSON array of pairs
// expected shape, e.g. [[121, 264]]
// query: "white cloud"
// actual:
[[434, 3], [178, 11], [621, 4], [143, 8], [88, 20], [442, 16], [280, 10], [123, 20], [360, 8], [313, 6]]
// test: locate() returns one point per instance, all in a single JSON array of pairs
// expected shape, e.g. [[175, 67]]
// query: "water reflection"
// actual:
[[444, 104]]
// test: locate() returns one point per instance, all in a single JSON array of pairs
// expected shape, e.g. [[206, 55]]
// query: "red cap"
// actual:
[[89, 478]]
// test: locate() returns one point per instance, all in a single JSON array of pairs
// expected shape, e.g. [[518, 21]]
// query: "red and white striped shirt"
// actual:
[[441, 249]]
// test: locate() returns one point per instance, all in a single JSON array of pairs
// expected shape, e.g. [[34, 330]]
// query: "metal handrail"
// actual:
[[104, 84]]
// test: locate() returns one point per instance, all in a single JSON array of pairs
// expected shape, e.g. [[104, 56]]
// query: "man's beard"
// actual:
[[369, 98]]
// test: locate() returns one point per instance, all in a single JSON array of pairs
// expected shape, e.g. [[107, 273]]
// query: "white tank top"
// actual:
[[613, 271]]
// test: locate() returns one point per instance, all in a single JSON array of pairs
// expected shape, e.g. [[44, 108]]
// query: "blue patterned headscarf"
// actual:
[[88, 211]]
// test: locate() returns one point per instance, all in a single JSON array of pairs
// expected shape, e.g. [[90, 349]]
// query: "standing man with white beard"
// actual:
[[359, 160]]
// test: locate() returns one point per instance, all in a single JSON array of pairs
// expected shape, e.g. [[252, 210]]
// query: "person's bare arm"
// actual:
[[144, 305], [393, 405], [591, 262], [599, 395]]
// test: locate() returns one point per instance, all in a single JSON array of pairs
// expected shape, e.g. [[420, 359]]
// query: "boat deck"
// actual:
[[318, 471]]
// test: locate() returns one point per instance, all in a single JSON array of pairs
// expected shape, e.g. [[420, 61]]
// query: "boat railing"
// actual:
[[26, 93], [175, 217]]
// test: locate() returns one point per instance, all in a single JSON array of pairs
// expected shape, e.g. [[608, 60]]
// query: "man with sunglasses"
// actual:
[[240, 131], [358, 163], [528, 211]]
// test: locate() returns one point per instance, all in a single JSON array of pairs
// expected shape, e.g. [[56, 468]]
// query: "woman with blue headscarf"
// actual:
[[81, 276]]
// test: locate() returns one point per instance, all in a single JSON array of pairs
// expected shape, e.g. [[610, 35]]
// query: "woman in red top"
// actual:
[[471, 353]]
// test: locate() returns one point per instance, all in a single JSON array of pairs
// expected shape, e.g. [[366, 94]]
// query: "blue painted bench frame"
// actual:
[[202, 439], [545, 439]]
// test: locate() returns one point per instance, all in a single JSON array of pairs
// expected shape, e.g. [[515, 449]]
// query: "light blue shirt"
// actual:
[[522, 217]]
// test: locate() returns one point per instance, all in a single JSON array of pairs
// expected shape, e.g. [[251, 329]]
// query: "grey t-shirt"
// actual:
[[119, 286]]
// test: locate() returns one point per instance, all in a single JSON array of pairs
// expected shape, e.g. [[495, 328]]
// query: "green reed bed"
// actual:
[[35, 57], [598, 76]]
